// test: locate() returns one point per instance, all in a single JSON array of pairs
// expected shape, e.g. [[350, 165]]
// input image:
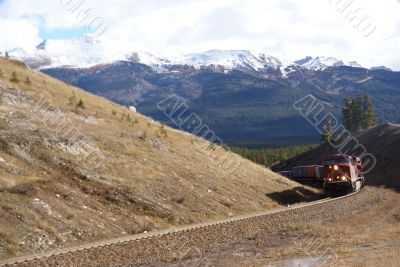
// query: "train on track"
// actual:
[[338, 173]]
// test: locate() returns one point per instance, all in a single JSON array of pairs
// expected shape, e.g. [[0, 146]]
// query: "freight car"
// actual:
[[312, 173]]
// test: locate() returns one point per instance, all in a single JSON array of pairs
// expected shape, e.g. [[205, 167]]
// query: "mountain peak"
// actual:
[[229, 59], [42, 45], [304, 60], [83, 51], [322, 62]]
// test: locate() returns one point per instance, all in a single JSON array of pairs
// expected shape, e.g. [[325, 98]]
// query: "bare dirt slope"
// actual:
[[76, 168], [382, 141]]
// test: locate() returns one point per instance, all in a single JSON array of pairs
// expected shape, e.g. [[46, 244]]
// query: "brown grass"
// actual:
[[139, 181]]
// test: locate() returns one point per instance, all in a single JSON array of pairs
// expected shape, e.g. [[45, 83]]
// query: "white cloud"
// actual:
[[287, 29], [17, 33]]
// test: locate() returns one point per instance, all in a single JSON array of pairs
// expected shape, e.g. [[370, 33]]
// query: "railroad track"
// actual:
[[41, 257]]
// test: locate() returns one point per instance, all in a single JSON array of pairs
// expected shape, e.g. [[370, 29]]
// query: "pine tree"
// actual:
[[346, 113], [327, 131], [80, 104], [369, 113], [14, 77], [356, 113]]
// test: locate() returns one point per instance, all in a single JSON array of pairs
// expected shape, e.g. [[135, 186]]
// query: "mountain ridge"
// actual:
[[86, 51], [242, 96]]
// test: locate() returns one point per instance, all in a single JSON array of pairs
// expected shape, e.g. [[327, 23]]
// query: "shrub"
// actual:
[[172, 218], [143, 136], [113, 112], [163, 131], [23, 189], [178, 200], [14, 77], [72, 99], [80, 104], [1, 73], [28, 81]]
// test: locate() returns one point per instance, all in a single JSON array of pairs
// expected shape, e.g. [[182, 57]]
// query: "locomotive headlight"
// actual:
[[344, 178], [336, 167], [330, 179]]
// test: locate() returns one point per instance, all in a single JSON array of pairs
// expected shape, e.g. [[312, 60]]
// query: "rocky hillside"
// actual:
[[76, 167], [382, 141]]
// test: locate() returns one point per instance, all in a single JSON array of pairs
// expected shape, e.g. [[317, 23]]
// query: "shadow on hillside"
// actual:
[[295, 195]]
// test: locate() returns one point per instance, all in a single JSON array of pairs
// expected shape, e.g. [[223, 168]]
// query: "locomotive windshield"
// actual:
[[336, 161]]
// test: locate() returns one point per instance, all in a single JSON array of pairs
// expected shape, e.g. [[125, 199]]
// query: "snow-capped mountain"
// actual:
[[321, 63], [228, 59], [83, 52], [78, 52]]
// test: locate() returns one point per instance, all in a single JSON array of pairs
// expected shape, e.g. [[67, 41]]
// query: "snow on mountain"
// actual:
[[78, 52], [82, 52], [85, 51], [228, 59], [159, 64], [321, 63]]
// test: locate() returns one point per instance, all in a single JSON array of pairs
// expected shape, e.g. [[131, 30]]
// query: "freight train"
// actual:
[[338, 173]]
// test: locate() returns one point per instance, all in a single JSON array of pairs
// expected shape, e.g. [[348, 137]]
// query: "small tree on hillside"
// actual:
[[1, 73], [14, 77], [72, 99], [163, 131], [369, 119], [80, 104], [358, 113], [346, 112], [327, 130], [28, 81]]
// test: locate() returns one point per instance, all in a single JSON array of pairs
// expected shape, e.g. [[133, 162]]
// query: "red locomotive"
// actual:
[[338, 173], [342, 172]]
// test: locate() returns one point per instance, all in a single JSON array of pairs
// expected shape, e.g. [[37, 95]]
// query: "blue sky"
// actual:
[[287, 29], [61, 33]]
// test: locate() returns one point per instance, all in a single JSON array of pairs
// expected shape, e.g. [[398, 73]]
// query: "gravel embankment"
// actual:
[[180, 245]]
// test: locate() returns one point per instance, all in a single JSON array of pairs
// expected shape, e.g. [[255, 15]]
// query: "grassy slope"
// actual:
[[50, 198]]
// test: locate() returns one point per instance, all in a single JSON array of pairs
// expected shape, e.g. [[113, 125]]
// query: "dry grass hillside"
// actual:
[[76, 168], [382, 141]]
